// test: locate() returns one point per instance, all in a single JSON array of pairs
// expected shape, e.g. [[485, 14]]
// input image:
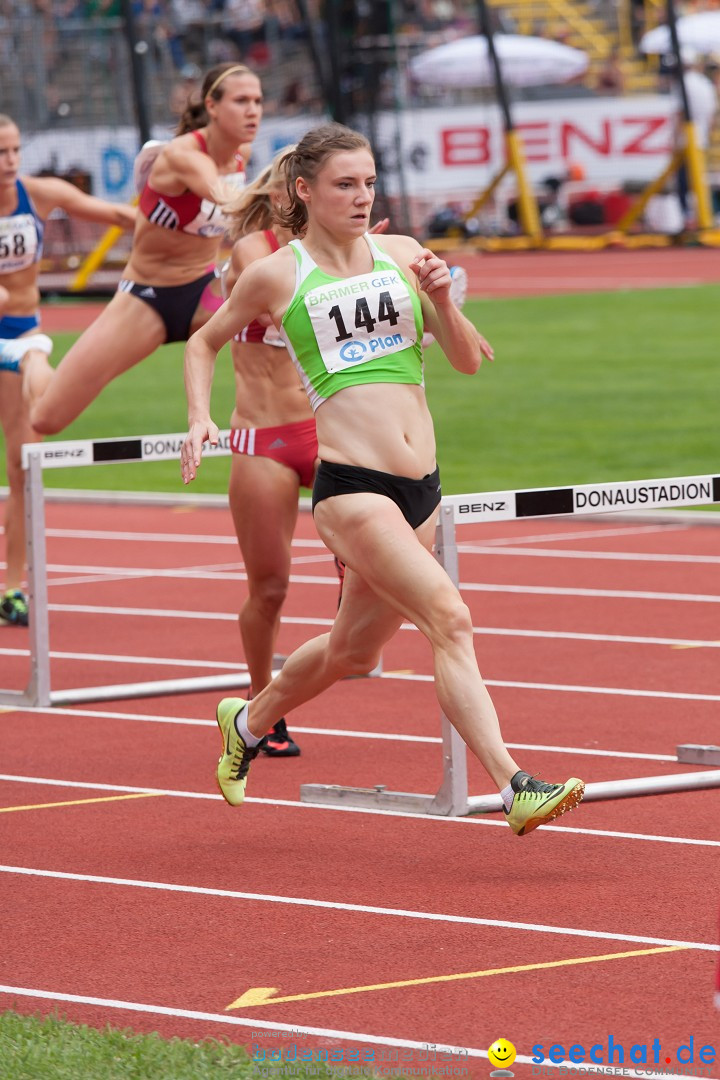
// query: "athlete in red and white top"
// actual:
[[166, 292]]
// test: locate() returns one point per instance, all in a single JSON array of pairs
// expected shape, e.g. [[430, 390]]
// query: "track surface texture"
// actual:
[[133, 895]]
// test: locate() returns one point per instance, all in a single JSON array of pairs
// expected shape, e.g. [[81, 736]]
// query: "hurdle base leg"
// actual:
[[377, 798], [695, 754], [10, 698]]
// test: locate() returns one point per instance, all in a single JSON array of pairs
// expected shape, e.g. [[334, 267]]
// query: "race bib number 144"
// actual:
[[360, 318]]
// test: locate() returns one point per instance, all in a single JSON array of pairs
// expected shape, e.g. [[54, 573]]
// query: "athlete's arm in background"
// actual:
[[49, 193], [246, 250], [185, 167], [256, 293]]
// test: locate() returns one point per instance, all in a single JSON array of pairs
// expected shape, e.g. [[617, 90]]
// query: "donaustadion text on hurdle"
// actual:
[[621, 495]]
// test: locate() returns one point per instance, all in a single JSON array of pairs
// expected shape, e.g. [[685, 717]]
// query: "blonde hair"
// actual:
[[307, 159], [195, 114], [252, 209]]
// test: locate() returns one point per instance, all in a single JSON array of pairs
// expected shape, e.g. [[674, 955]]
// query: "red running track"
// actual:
[[384, 933]]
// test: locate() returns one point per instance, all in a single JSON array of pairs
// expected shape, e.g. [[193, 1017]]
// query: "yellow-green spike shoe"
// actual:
[[536, 803], [236, 757]]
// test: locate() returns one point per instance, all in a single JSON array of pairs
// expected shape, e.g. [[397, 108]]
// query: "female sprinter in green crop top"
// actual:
[[352, 313]]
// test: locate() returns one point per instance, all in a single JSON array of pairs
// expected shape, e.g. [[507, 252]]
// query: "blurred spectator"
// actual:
[[560, 32], [244, 25], [186, 87], [299, 97], [186, 30], [102, 9], [638, 20], [283, 21], [438, 14], [611, 77], [702, 102], [151, 23], [712, 70]]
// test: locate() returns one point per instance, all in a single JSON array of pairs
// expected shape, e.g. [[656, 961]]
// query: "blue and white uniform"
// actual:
[[21, 245], [21, 234], [21, 241]]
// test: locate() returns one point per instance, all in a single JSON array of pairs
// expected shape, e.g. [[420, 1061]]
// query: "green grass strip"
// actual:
[[585, 388], [32, 1048]]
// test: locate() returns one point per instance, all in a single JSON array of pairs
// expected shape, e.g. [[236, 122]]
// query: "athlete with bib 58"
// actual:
[[352, 311], [25, 206]]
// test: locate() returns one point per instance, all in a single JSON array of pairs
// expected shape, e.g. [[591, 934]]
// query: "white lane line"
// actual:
[[296, 620], [144, 661], [161, 538], [181, 613], [362, 909], [584, 534], [338, 733], [612, 594], [305, 560], [564, 688], [576, 553], [569, 635], [231, 540], [296, 804], [89, 574]]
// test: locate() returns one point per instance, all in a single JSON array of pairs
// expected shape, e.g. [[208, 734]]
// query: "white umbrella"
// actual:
[[524, 61], [700, 32]]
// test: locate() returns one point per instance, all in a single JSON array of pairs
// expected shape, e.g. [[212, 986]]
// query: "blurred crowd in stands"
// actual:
[[242, 29], [50, 51]]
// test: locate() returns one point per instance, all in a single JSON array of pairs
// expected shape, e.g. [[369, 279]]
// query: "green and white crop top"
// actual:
[[342, 332]]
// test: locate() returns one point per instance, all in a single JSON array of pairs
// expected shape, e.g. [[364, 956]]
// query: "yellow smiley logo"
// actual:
[[501, 1054]]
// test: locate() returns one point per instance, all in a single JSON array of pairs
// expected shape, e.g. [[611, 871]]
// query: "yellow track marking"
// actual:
[[79, 802], [262, 995]]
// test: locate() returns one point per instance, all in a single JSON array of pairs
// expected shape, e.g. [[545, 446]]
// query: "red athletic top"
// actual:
[[256, 332], [188, 213]]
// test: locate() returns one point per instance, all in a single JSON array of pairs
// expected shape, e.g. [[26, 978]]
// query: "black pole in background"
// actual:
[[500, 90], [677, 59], [138, 51], [321, 74], [335, 99]]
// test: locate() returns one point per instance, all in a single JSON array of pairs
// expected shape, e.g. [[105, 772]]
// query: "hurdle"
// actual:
[[76, 453], [452, 798]]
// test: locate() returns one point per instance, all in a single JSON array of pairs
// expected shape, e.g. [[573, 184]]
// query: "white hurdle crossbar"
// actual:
[[55, 455], [452, 798]]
